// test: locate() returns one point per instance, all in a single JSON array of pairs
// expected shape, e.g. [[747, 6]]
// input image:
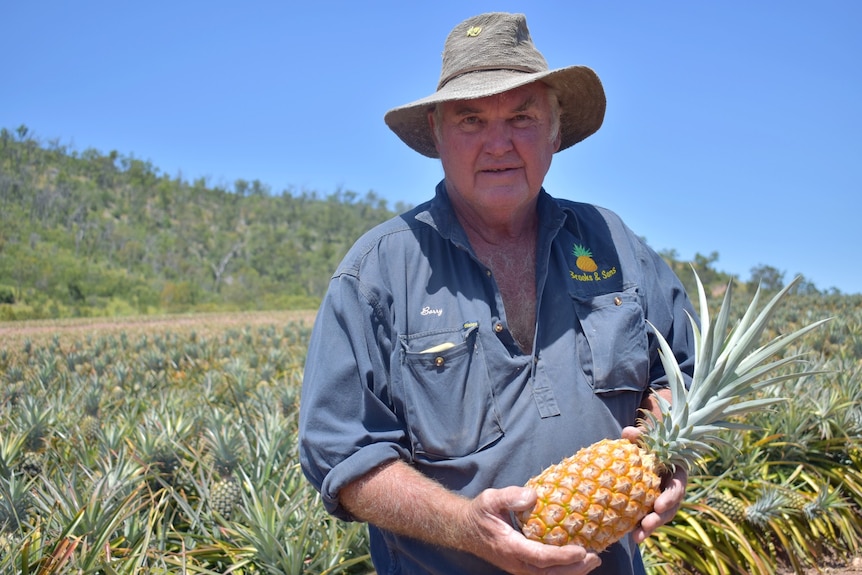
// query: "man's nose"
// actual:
[[499, 138]]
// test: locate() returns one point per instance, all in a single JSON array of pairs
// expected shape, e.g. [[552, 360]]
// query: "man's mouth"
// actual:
[[497, 170]]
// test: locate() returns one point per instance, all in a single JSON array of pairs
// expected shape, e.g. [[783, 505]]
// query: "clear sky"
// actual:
[[732, 126]]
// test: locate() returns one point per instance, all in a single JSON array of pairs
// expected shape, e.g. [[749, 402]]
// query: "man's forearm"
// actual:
[[400, 499]]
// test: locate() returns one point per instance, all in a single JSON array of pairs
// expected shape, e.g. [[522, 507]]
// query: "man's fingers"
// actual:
[[631, 433]]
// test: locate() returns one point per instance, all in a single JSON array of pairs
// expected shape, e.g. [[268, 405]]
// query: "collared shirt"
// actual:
[[411, 358]]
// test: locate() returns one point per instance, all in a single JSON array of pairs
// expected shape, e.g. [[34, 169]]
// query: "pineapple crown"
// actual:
[[36, 420], [154, 445], [225, 443], [92, 399], [729, 369]]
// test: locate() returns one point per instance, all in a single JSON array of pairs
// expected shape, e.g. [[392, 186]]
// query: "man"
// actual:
[[467, 344]]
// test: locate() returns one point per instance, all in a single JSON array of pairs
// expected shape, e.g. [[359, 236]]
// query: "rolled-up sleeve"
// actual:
[[347, 424]]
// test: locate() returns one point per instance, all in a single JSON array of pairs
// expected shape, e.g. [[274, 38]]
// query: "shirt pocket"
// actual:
[[612, 343], [449, 403]]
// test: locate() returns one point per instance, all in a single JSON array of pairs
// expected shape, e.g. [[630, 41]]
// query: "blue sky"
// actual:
[[732, 126]]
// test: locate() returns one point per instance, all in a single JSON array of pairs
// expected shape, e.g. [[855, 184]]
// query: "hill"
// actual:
[[105, 234], [93, 234]]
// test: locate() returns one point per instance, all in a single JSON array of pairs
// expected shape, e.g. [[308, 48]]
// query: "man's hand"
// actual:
[[667, 503], [499, 543], [398, 498]]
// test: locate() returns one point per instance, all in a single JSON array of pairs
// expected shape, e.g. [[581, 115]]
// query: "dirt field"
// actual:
[[13, 334], [854, 567]]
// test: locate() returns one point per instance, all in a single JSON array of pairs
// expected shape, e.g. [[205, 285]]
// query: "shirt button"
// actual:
[[618, 301], [498, 327], [439, 361], [488, 273]]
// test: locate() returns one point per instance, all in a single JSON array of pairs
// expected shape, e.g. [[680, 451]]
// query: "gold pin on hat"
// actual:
[[474, 31]]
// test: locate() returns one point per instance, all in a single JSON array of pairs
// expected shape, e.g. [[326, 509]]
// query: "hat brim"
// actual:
[[580, 92]]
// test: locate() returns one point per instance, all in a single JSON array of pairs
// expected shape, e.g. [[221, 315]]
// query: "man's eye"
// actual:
[[471, 123], [522, 120]]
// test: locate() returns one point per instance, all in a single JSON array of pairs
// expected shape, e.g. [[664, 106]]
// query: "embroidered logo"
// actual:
[[585, 261], [432, 311], [589, 269]]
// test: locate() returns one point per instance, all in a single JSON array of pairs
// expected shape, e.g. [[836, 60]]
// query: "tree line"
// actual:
[[95, 234]]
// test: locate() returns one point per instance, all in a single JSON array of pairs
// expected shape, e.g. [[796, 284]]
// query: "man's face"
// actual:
[[496, 150]]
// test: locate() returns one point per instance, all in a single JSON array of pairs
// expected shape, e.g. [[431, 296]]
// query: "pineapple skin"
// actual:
[[593, 498], [225, 496]]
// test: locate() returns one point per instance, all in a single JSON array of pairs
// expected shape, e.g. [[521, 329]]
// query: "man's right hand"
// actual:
[[495, 540], [398, 498]]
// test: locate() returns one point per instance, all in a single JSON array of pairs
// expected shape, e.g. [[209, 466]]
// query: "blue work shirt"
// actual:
[[410, 358]]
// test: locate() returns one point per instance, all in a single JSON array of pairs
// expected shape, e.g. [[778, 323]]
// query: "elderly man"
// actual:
[[467, 344]]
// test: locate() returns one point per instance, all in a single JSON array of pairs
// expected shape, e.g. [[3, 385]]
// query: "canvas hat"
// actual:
[[493, 53]]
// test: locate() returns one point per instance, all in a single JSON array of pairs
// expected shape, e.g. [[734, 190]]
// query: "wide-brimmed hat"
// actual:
[[493, 53]]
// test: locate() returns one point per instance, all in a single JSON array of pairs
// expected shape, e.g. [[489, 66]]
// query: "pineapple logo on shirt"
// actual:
[[588, 269]]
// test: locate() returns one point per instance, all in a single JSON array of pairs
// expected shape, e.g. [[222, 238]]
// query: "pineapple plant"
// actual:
[[15, 509], [601, 493], [15, 503], [225, 493], [155, 450], [36, 421]]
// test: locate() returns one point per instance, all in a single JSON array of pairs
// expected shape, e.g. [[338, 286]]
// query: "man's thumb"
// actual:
[[521, 498]]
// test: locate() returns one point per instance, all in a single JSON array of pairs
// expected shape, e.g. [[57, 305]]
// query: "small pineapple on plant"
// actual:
[[730, 506], [224, 444], [601, 493], [91, 425]]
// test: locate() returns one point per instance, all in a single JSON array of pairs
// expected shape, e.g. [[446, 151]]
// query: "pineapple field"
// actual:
[[169, 445]]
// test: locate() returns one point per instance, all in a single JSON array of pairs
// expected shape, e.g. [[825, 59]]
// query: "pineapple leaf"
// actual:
[[727, 369]]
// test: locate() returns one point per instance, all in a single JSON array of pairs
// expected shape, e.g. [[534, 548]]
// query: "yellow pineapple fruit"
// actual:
[[601, 493], [589, 498]]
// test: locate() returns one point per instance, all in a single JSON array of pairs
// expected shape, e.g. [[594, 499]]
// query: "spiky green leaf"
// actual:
[[730, 367]]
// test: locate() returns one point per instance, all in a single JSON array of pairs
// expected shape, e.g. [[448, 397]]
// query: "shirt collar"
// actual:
[[439, 214]]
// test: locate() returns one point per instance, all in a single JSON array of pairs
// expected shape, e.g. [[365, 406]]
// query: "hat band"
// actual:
[[459, 73]]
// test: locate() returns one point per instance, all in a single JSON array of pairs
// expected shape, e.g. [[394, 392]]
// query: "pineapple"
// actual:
[[225, 492], [732, 507], [225, 496], [596, 496], [91, 424]]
